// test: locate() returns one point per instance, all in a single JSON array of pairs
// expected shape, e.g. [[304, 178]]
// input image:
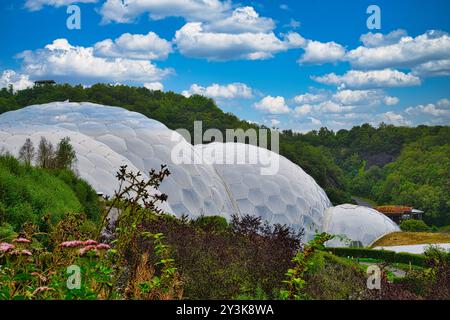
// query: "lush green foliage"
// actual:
[[414, 226], [28, 194], [387, 256], [302, 262]]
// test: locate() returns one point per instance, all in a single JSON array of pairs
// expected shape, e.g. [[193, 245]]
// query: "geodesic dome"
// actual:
[[356, 224], [290, 196], [106, 137]]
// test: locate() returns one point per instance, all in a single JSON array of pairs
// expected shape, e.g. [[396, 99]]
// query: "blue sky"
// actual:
[[292, 64]]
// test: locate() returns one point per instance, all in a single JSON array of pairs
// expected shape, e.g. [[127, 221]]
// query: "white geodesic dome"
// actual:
[[104, 138], [121, 137], [357, 224], [290, 196]]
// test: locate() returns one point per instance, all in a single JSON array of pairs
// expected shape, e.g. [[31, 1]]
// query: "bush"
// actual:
[[387, 256], [414, 226], [6, 232], [28, 193], [334, 278], [248, 259], [211, 223]]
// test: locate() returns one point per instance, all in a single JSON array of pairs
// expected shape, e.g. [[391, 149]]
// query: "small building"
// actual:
[[400, 213]]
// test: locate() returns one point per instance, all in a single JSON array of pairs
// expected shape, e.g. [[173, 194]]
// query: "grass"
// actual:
[[411, 238], [445, 229]]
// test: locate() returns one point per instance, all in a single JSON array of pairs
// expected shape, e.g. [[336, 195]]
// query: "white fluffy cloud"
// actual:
[[364, 97], [191, 10], [395, 119], [355, 79], [433, 68], [373, 40], [61, 60], [34, 5], [193, 40], [438, 109], [134, 46], [319, 52], [17, 81], [272, 105], [154, 86], [328, 106], [216, 91], [242, 19], [310, 98], [406, 52]]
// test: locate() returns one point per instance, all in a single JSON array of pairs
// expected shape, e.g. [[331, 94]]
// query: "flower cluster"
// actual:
[[5, 247], [86, 246], [21, 240], [41, 289], [22, 252]]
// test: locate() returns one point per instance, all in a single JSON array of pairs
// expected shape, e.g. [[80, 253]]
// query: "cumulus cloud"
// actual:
[[438, 109], [61, 60], [216, 91], [242, 19], [134, 46], [328, 106], [272, 105], [355, 79], [343, 108], [364, 97], [193, 40], [154, 86], [304, 109], [407, 52], [35, 5], [433, 68], [309, 98], [395, 119], [191, 10], [320, 53], [16, 80], [373, 40]]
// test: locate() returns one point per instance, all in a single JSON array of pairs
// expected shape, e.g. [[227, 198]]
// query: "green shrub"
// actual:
[[387, 256], [333, 278], [28, 193], [6, 232], [211, 223], [414, 226]]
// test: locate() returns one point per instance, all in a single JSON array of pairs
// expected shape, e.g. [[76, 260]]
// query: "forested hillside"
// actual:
[[387, 164]]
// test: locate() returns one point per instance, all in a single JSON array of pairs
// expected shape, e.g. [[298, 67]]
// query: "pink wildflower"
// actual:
[[40, 276], [72, 244], [4, 247], [86, 249], [21, 240], [21, 252], [103, 246], [90, 243], [41, 289]]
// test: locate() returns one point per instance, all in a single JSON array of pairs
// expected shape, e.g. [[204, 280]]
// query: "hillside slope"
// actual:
[[28, 193]]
